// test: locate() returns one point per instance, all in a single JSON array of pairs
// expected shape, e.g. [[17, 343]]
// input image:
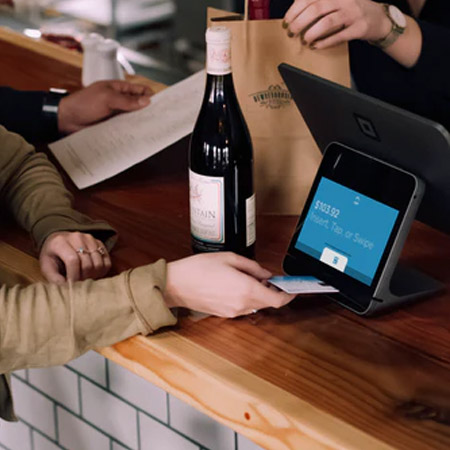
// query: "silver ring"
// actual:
[[81, 251], [254, 311], [101, 250]]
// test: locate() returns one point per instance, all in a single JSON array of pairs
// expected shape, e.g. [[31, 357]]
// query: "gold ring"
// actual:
[[102, 251]]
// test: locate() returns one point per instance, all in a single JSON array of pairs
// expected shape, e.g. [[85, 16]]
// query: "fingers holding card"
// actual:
[[301, 285]]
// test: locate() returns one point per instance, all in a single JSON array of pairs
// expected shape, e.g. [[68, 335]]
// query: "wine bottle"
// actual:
[[222, 198]]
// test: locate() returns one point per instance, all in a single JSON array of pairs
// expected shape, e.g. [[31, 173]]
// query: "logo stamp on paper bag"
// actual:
[[275, 97]]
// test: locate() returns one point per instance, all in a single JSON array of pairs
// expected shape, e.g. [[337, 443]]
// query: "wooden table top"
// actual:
[[310, 375]]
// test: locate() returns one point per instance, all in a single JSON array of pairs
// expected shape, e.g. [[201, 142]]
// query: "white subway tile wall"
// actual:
[[15, 436], [92, 365], [78, 435], [138, 391], [34, 408], [94, 404], [116, 446], [199, 426], [109, 413], [59, 383], [42, 443], [157, 436]]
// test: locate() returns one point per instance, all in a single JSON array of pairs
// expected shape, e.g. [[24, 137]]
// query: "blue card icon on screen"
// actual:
[[334, 259]]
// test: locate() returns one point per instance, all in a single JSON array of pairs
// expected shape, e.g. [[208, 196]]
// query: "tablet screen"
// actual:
[[346, 230]]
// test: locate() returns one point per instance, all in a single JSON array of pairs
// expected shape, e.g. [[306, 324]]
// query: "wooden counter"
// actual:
[[310, 375]]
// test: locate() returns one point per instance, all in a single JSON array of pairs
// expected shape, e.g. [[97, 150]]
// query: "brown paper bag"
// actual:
[[286, 156]]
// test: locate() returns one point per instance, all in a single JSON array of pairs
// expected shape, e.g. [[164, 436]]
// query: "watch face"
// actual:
[[397, 16]]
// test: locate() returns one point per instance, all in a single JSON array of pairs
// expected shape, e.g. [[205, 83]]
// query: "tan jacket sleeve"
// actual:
[[44, 324], [34, 192]]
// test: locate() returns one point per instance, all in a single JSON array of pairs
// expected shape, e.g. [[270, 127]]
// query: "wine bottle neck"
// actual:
[[218, 58], [219, 86]]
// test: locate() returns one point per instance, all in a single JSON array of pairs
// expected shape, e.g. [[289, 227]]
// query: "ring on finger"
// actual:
[[81, 251], [101, 250]]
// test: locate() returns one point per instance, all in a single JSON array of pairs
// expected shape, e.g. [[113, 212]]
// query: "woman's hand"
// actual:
[[325, 23], [73, 256], [222, 284]]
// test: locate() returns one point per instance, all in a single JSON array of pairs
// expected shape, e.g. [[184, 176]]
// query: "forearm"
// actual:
[[44, 324], [33, 190], [407, 48]]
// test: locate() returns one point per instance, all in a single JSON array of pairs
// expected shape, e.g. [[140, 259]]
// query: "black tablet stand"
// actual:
[[405, 285], [400, 284]]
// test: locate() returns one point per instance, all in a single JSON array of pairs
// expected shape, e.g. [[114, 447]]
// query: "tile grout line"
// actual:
[[107, 374], [55, 413], [188, 438], [31, 438], [168, 408], [82, 375], [114, 440], [138, 424], [80, 399]]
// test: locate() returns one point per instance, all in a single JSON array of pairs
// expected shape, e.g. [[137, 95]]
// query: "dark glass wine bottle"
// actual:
[[222, 198]]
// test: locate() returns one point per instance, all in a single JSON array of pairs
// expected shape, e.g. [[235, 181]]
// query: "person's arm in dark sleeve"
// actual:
[[22, 112], [423, 89]]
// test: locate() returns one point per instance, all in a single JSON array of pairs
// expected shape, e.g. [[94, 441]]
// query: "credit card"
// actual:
[[301, 285]]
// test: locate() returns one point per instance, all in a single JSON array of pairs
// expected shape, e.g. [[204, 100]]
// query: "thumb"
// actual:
[[50, 269]]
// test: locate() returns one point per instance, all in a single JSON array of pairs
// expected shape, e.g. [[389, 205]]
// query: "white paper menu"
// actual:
[[108, 148]]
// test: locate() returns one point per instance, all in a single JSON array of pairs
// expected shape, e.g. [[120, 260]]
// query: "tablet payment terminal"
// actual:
[[352, 230]]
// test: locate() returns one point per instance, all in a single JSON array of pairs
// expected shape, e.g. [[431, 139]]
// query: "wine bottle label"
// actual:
[[251, 220], [218, 58], [206, 195]]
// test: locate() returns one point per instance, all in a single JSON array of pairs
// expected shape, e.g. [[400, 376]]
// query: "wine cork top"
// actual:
[[218, 35]]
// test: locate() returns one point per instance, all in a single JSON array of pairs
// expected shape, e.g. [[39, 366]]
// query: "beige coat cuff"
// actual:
[[147, 284], [73, 222]]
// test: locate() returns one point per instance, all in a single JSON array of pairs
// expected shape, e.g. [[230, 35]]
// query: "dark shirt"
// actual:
[[21, 112], [423, 89]]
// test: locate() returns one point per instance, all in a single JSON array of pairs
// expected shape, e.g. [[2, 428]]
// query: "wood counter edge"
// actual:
[[42, 47], [266, 414], [71, 57]]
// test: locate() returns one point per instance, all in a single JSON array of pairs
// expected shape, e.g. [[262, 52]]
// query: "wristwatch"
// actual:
[[50, 103], [49, 113], [398, 21]]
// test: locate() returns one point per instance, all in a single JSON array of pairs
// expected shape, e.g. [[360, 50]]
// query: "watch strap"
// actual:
[[392, 36], [49, 112]]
